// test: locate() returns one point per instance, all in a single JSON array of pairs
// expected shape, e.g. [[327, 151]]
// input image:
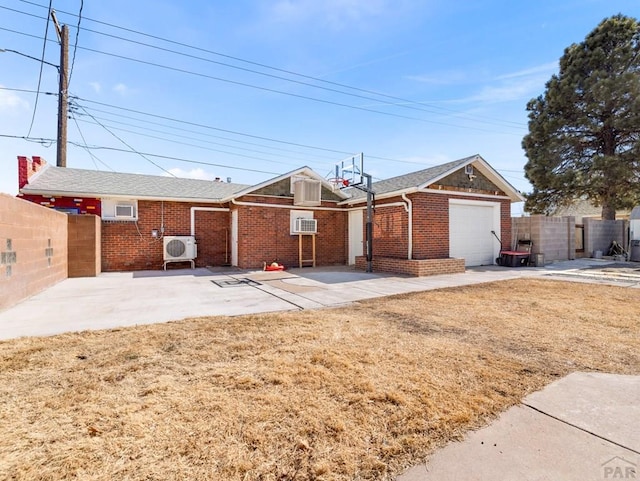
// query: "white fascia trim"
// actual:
[[207, 209], [488, 171], [388, 195], [281, 197], [466, 194], [308, 171], [470, 160], [282, 206], [94, 195], [390, 204], [297, 207]]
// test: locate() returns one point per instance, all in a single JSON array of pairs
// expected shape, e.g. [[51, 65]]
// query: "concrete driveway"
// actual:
[[130, 298]]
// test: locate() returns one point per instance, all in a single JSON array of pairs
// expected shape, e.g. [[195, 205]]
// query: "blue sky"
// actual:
[[252, 89]]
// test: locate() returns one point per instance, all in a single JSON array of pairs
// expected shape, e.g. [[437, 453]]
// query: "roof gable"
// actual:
[[263, 187], [422, 179]]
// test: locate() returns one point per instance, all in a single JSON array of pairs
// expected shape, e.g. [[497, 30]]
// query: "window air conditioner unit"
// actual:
[[305, 226], [307, 192], [180, 248], [124, 211]]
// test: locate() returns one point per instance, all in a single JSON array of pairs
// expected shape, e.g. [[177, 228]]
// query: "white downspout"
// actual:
[[208, 209], [409, 209]]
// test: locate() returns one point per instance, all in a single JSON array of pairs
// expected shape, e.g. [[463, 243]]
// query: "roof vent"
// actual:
[[307, 193]]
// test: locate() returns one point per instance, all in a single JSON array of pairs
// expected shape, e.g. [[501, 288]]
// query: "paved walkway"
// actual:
[[584, 427], [130, 298]]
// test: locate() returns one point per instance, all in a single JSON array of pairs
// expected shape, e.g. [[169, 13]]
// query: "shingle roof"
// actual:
[[411, 180], [80, 182]]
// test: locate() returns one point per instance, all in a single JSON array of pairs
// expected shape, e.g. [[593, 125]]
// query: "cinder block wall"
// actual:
[[33, 249], [598, 235], [84, 245], [552, 236]]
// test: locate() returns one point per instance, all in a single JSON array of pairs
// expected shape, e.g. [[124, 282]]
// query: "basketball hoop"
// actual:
[[338, 183]]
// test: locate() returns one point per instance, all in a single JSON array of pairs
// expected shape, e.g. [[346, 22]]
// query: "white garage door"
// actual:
[[470, 226]]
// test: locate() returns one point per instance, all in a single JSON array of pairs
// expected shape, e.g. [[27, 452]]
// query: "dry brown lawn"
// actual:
[[354, 393]]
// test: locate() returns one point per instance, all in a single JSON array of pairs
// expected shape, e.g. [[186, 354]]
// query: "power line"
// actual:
[[218, 129], [267, 89], [262, 65], [408, 104], [28, 91], [281, 92], [87, 147], [91, 154], [243, 134], [189, 145], [130, 147], [44, 47], [208, 135], [39, 140], [180, 159], [196, 139], [404, 103], [208, 127], [75, 44]]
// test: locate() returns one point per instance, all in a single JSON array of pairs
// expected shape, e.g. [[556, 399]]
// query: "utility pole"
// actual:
[[63, 37], [369, 224]]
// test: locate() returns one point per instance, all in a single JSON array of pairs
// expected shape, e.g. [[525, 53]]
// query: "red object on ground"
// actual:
[[273, 267]]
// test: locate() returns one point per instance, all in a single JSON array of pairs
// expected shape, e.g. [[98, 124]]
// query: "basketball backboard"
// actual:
[[347, 172]]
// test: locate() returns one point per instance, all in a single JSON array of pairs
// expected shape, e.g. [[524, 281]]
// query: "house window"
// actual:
[[120, 209], [67, 210], [298, 214]]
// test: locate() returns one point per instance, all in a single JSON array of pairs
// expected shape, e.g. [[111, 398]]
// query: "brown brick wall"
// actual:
[[416, 268], [390, 230], [430, 226], [130, 245], [264, 236], [37, 236], [84, 250]]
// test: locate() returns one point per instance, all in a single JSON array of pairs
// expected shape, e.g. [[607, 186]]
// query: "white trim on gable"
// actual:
[[485, 169], [303, 171]]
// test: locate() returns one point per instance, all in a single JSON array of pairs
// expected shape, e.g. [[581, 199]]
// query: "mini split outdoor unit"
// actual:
[[179, 248]]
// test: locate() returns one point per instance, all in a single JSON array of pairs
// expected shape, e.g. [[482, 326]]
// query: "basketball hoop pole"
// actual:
[[369, 223], [357, 174]]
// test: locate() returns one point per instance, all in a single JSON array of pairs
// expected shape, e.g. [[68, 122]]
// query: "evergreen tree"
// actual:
[[584, 132]]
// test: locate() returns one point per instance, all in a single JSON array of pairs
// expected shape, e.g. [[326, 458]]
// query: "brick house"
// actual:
[[430, 221]]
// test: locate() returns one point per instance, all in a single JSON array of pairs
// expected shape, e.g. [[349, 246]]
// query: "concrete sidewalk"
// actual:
[[583, 427]]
